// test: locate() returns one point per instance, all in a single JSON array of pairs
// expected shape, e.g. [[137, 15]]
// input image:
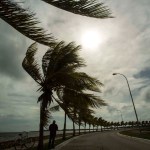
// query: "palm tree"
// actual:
[[96, 123], [59, 66], [85, 115], [57, 63], [90, 118], [76, 102], [100, 122]]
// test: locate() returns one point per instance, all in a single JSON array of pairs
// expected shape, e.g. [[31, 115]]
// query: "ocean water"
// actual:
[[7, 136]]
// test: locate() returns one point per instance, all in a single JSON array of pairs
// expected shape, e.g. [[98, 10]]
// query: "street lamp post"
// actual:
[[131, 99], [121, 115]]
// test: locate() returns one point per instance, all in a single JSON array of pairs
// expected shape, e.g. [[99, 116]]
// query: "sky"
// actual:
[[119, 44]]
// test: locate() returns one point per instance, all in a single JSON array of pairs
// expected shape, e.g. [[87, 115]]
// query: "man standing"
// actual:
[[52, 128]]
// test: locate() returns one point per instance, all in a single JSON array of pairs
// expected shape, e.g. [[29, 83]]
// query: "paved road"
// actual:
[[104, 141]]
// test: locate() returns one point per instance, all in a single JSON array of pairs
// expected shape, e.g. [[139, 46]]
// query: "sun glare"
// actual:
[[91, 39]]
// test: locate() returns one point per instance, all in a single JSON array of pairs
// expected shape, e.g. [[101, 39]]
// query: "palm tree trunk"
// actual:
[[85, 127], [41, 129], [73, 129], [73, 123], [79, 126], [64, 131]]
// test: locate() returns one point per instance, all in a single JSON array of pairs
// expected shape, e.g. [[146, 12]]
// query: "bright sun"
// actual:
[[91, 39]]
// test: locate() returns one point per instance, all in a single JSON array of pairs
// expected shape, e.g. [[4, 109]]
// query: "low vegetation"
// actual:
[[145, 134]]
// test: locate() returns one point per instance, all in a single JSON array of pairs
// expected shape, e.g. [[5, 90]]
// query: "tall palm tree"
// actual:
[[85, 114], [58, 66], [76, 101], [101, 122]]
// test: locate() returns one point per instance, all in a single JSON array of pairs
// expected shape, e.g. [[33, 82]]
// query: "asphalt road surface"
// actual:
[[104, 141]]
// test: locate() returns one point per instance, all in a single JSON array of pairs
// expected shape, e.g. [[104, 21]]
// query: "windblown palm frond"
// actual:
[[78, 80], [82, 99], [90, 8], [62, 58], [45, 98], [46, 117], [30, 65], [55, 108], [25, 22]]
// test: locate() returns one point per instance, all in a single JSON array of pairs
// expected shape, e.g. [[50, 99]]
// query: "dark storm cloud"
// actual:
[[145, 73], [20, 95], [20, 100], [9, 122], [3, 104], [146, 96], [11, 46]]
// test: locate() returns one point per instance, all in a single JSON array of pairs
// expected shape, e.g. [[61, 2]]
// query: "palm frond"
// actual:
[[78, 80], [45, 98], [25, 22], [46, 117], [30, 65], [60, 63], [55, 108], [46, 60], [90, 8], [82, 100], [61, 58]]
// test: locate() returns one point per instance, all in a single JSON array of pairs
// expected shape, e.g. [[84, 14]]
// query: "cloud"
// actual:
[[145, 73], [20, 95], [144, 95], [147, 96], [111, 109], [12, 45]]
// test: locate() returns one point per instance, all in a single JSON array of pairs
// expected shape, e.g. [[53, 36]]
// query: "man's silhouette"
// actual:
[[52, 128]]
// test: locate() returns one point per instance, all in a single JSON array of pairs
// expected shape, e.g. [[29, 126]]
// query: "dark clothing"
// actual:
[[52, 128]]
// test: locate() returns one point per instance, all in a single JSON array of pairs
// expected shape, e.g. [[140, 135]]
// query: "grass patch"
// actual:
[[57, 142], [145, 134]]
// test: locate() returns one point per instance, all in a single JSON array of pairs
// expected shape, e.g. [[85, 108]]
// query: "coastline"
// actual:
[[10, 144]]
